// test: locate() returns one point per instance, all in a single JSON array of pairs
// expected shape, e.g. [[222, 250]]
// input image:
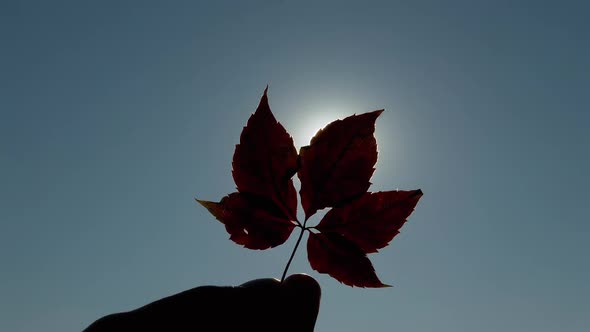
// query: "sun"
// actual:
[[310, 122]]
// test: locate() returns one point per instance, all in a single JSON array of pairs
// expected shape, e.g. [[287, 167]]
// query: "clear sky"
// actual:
[[115, 115]]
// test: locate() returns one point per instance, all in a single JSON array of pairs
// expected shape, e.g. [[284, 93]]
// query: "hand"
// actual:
[[258, 305]]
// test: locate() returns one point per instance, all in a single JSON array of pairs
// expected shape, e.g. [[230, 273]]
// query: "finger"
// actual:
[[292, 305], [262, 283], [304, 294], [258, 305], [191, 310]]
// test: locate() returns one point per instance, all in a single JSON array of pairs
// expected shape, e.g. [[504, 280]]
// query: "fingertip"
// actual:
[[262, 282], [302, 293], [303, 283]]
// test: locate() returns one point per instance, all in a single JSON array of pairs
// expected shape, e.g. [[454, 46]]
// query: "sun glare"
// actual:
[[309, 124]]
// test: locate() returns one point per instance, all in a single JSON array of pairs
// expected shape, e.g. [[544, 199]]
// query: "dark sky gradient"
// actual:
[[115, 115]]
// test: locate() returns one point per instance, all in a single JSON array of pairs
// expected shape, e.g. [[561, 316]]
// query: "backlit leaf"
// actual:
[[251, 221], [266, 159], [337, 165], [335, 171], [333, 254], [373, 220]]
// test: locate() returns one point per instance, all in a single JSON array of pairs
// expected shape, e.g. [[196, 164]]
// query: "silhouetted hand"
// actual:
[[258, 305]]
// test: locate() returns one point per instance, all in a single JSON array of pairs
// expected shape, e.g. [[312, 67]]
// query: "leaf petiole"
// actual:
[[303, 228]]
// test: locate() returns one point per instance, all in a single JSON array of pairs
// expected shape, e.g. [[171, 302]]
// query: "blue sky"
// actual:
[[115, 115]]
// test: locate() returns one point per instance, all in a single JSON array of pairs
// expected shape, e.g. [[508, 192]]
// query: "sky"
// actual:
[[116, 115]]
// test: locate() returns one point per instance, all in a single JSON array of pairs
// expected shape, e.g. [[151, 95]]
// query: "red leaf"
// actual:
[[337, 165], [251, 221], [266, 159], [335, 170], [373, 220], [333, 254]]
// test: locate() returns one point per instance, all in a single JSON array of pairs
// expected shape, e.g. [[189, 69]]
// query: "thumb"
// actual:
[[291, 305], [304, 293]]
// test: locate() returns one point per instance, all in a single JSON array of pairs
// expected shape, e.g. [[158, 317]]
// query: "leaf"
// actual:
[[373, 220], [331, 253], [334, 171], [265, 160], [337, 165], [251, 221]]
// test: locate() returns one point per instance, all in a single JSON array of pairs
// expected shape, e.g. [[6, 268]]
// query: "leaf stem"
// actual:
[[293, 253]]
